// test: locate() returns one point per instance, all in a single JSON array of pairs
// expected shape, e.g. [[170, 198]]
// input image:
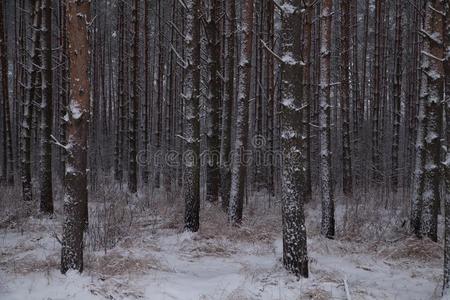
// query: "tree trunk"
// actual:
[[145, 171], [270, 97], [434, 75], [46, 183], [227, 105], [376, 160], [213, 105], [446, 38], [295, 258], [397, 96], [75, 198], [239, 167], [192, 125], [8, 161], [134, 115], [345, 98], [30, 90], [326, 181]]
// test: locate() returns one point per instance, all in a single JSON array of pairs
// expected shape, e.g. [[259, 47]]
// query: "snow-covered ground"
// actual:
[[154, 259]]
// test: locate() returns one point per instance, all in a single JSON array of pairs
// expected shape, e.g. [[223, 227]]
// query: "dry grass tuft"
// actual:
[[316, 294], [29, 264], [423, 250], [116, 264]]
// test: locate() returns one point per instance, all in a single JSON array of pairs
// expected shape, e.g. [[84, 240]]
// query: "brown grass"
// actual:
[[422, 250], [116, 264]]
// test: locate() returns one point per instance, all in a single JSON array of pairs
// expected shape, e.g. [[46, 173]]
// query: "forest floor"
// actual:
[[149, 256]]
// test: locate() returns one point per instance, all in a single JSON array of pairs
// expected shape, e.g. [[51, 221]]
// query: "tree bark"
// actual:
[[345, 98], [213, 105], [295, 258], [46, 183], [192, 122], [325, 175], [397, 96], [446, 38], [239, 166], [134, 115], [75, 198], [433, 34], [227, 105], [8, 161]]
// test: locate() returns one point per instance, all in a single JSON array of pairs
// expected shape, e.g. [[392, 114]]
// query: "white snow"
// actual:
[[219, 262], [75, 110]]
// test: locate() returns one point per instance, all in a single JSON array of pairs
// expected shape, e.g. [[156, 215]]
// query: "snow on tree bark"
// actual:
[[147, 84], [8, 163], [295, 258], [397, 96], [377, 87], [30, 90], [239, 167], [446, 38], [191, 96], [134, 115], [213, 102], [46, 182], [227, 104], [417, 196], [326, 181], [433, 36], [308, 101], [345, 98], [270, 95], [75, 198]]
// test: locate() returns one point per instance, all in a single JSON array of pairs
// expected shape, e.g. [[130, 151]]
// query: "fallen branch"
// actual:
[[347, 290]]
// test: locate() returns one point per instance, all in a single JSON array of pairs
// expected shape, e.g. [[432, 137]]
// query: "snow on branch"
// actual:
[[271, 51]]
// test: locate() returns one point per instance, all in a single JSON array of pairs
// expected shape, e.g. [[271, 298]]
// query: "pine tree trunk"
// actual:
[[364, 71], [121, 112], [160, 97], [270, 94], [434, 75], [345, 98], [213, 105], [446, 38], [357, 101], [46, 183], [307, 79], [75, 198], [192, 122], [295, 258], [417, 196], [239, 167], [134, 115], [326, 181], [8, 161], [397, 96], [63, 92], [227, 105], [376, 163], [30, 90], [145, 171]]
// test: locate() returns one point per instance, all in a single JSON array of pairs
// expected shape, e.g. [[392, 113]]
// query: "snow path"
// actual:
[[186, 266]]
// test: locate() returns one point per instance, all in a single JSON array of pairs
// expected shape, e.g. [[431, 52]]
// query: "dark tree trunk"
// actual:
[[192, 126], [295, 258], [212, 133], [239, 167], [46, 182]]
